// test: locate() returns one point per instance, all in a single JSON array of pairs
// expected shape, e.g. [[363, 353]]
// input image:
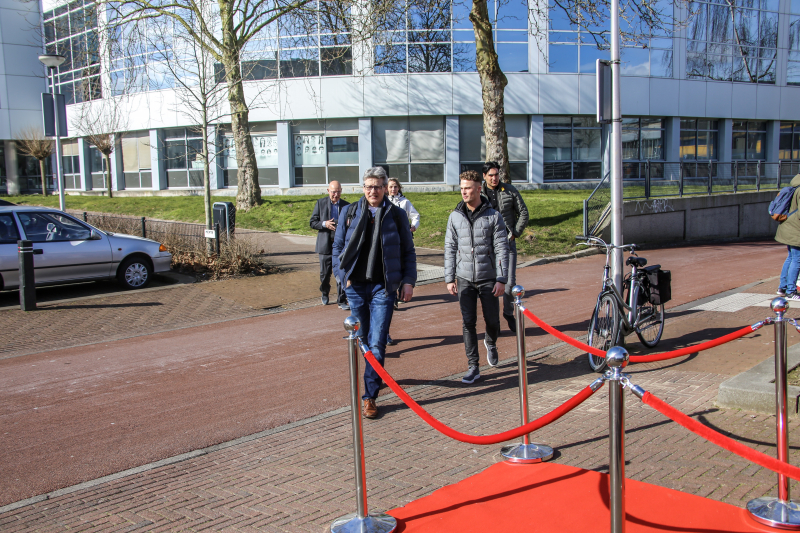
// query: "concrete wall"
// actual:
[[699, 218]]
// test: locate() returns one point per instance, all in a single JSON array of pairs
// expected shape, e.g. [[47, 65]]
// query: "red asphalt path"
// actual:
[[77, 414]]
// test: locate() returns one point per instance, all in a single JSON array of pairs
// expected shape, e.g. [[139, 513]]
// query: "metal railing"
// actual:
[[183, 234], [654, 179]]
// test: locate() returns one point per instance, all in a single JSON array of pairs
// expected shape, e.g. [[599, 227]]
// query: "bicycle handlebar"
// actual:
[[597, 241]]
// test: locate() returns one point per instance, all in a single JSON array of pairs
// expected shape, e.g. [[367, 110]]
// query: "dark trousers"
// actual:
[[468, 294], [325, 271], [508, 300]]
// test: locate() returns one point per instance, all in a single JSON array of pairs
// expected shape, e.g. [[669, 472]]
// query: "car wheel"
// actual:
[[134, 273]]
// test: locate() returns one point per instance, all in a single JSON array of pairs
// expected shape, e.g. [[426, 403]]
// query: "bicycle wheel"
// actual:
[[603, 330], [650, 325]]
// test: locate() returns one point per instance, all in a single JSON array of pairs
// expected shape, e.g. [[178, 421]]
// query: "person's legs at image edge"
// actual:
[[790, 271], [508, 299]]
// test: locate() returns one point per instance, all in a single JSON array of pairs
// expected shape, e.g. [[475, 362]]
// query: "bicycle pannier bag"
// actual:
[[660, 286]]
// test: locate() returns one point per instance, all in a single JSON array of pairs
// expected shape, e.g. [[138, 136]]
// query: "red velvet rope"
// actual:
[[552, 416], [640, 358], [721, 440]]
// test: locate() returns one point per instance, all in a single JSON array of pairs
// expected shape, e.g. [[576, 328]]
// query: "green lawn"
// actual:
[[555, 215]]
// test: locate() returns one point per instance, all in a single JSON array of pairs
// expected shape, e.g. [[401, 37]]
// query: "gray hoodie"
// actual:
[[476, 250]]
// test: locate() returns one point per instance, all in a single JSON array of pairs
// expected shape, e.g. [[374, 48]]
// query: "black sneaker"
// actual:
[[472, 375], [491, 353], [512, 323]]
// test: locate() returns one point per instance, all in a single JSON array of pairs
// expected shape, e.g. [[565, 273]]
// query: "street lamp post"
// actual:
[[52, 61], [616, 150]]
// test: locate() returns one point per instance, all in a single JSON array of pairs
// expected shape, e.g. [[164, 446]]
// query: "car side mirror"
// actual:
[[94, 236]]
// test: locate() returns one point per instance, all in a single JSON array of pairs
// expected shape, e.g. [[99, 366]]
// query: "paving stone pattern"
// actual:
[[301, 478], [56, 326]]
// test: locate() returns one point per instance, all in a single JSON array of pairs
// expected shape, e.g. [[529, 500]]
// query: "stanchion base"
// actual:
[[775, 513], [526, 453], [374, 523]]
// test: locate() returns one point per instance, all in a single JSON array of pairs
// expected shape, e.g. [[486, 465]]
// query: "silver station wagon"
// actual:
[[67, 249]]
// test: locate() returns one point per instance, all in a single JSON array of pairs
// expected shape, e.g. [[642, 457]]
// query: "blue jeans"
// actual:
[[791, 269], [372, 305]]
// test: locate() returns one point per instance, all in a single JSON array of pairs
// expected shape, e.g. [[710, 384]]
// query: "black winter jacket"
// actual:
[[511, 206]]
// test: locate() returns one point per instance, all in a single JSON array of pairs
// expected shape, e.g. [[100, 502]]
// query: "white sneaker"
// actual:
[[793, 297]]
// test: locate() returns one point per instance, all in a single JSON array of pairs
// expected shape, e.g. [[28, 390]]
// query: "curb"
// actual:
[[754, 390]]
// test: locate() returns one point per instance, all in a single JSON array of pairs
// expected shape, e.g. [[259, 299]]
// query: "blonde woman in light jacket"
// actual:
[[397, 198]]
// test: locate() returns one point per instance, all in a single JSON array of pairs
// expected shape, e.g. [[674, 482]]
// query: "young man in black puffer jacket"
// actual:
[[506, 199], [476, 266]]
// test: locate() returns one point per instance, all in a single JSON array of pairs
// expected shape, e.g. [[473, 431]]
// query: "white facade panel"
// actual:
[[22, 60], [558, 94], [692, 99], [635, 96], [718, 99], [743, 100], [342, 96], [385, 95], [768, 102], [587, 104], [20, 26], [430, 94], [522, 94], [467, 98], [664, 97], [25, 92], [300, 99], [790, 104]]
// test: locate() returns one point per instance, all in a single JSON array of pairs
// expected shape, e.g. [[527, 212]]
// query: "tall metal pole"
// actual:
[[616, 151], [59, 175], [780, 512], [524, 452], [616, 359], [360, 521]]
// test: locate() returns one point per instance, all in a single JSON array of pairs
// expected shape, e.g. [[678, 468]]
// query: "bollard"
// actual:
[[780, 512], [360, 521], [27, 278], [616, 359], [216, 232], [144, 228], [85, 217], [525, 452]]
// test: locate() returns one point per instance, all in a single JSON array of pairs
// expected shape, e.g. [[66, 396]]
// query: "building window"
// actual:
[[325, 152], [574, 49], [793, 65], [749, 140], [472, 144], [732, 41], [71, 31], [411, 149], [642, 142], [789, 147], [97, 166], [572, 148], [30, 177], [265, 144], [184, 158], [71, 163], [136, 162], [3, 182], [698, 139]]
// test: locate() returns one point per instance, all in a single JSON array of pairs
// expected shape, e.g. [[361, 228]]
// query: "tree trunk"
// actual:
[[207, 183], [493, 83], [108, 174], [44, 177], [249, 194]]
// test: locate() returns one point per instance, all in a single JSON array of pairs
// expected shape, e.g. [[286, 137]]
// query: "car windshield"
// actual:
[[48, 227]]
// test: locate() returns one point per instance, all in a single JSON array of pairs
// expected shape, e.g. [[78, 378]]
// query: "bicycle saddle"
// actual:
[[638, 261]]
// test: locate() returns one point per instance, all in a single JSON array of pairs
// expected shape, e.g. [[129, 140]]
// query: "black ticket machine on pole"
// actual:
[[225, 216]]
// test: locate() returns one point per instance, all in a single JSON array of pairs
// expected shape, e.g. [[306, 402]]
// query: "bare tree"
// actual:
[[32, 142], [98, 122]]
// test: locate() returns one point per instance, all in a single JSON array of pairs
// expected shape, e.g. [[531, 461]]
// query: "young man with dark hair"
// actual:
[[505, 199], [476, 266]]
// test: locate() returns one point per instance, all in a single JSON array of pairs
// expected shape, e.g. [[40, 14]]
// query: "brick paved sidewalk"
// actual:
[[299, 477]]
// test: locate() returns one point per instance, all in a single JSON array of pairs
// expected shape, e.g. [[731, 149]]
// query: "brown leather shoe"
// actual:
[[370, 409]]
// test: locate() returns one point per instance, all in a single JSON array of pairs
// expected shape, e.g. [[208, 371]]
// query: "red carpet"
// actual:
[[550, 497]]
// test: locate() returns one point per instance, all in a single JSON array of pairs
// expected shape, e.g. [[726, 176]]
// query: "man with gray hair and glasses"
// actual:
[[373, 257]]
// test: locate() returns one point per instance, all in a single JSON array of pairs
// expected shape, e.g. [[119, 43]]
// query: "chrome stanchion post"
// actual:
[[525, 452], [780, 512], [360, 521], [616, 359]]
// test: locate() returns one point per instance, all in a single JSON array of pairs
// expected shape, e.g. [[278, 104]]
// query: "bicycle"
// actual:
[[615, 316]]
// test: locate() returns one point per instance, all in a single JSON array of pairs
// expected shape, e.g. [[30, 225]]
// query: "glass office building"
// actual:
[[722, 87]]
